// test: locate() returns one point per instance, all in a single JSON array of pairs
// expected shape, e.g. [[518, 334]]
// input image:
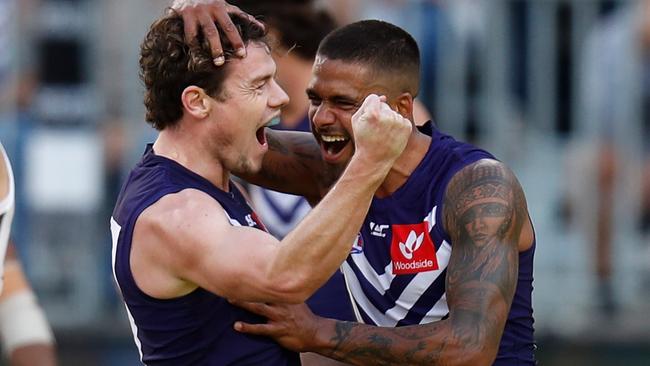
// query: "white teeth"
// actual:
[[334, 138]]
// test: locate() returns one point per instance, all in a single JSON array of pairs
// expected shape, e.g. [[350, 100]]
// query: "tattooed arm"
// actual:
[[294, 165], [484, 212]]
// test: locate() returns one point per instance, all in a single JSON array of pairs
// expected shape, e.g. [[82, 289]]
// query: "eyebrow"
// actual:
[[338, 98], [261, 78]]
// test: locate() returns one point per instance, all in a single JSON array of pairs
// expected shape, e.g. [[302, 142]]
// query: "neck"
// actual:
[[181, 145], [416, 148]]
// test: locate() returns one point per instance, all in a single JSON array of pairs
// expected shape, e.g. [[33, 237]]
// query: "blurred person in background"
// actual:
[[26, 335], [441, 272], [184, 238], [613, 143], [24, 331]]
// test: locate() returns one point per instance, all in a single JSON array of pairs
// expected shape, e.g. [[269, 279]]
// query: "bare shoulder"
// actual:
[[167, 241], [485, 179], [178, 215], [484, 200]]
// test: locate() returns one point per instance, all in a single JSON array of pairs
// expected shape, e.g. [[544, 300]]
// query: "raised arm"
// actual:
[[484, 213], [185, 239]]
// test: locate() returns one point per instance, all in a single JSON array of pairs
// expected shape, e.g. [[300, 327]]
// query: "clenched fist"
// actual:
[[380, 133]]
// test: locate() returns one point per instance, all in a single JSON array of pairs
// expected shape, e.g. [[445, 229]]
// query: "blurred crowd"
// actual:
[[560, 90]]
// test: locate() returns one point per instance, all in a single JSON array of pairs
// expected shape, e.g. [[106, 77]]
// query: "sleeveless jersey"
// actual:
[[397, 267], [194, 329], [7, 204]]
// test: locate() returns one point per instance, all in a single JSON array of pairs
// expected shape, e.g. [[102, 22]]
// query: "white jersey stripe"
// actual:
[[436, 313], [233, 222], [115, 233], [375, 315], [411, 294], [418, 285], [381, 283], [431, 218]]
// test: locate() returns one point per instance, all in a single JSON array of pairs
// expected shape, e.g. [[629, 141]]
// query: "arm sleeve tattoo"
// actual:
[[484, 211]]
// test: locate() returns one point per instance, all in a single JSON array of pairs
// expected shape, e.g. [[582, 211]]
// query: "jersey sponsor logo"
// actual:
[[357, 247], [412, 250], [378, 230]]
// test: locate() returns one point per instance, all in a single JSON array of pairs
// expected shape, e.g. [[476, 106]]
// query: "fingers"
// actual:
[[204, 15], [258, 329], [222, 17], [211, 33], [190, 25], [254, 307], [238, 12], [373, 105]]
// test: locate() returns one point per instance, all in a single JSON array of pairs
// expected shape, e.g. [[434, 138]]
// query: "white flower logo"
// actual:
[[412, 244]]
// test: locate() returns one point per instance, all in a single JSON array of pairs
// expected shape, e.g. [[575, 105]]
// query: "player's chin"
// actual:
[[255, 164]]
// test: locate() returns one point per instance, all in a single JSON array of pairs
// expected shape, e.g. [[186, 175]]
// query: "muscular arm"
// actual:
[[294, 165], [185, 240], [484, 211]]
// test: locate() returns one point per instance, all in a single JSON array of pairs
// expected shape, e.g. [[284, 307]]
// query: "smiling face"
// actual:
[[336, 91], [250, 99]]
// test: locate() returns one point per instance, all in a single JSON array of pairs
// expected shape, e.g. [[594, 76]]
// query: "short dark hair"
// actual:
[[300, 24], [168, 65], [378, 44]]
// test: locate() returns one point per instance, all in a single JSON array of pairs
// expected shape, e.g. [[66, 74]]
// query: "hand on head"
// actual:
[[203, 14]]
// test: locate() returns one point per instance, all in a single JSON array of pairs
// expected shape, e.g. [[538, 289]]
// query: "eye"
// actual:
[[315, 101], [347, 105]]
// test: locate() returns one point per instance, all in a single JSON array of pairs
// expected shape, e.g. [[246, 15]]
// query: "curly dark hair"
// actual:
[[168, 65]]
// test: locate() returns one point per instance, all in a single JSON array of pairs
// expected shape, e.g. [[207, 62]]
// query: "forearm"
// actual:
[[293, 165], [360, 344], [24, 331], [322, 240]]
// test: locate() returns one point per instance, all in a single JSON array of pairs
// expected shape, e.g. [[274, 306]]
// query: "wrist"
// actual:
[[323, 340], [371, 165]]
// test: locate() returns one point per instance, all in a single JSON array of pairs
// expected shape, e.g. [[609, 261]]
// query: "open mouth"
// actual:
[[261, 136], [332, 145]]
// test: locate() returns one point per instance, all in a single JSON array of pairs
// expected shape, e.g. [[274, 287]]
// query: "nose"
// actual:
[[321, 115], [279, 97], [478, 223]]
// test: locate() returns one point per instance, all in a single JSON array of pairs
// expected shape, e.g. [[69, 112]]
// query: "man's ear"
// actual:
[[404, 105], [196, 102]]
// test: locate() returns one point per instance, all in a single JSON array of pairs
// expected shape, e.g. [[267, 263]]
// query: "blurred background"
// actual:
[[557, 89]]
